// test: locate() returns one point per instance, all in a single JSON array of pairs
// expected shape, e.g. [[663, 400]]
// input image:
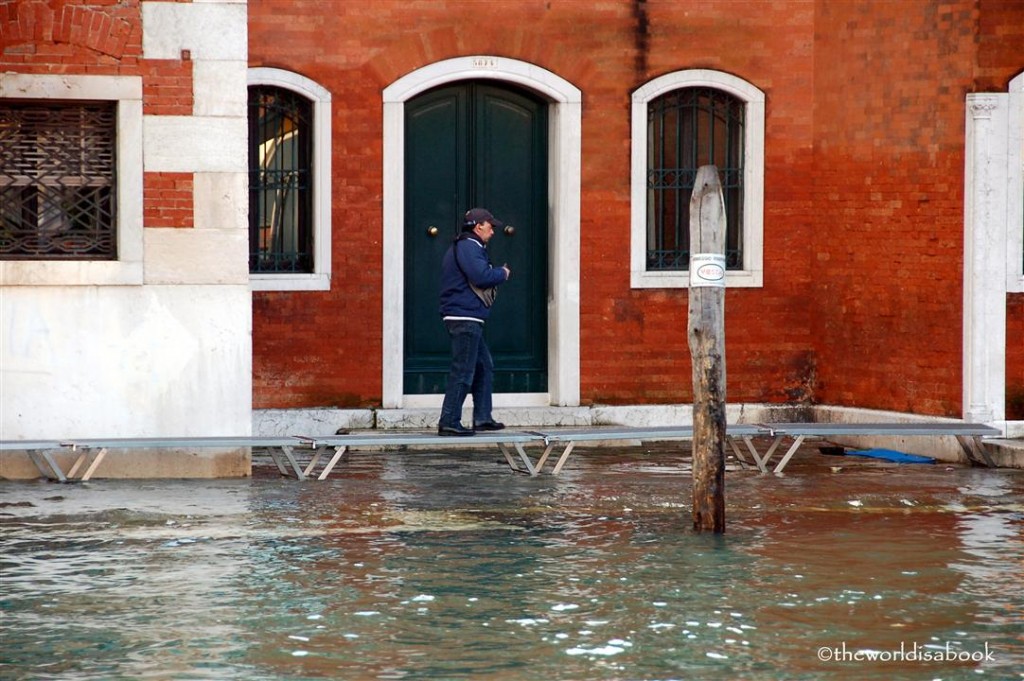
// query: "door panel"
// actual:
[[436, 174], [476, 144]]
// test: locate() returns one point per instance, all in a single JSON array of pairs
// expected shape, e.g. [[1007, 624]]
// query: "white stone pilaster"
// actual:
[[985, 239]]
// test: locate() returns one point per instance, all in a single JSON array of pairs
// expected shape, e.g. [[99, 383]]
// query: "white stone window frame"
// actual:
[[127, 269], [320, 97], [751, 275], [1015, 195]]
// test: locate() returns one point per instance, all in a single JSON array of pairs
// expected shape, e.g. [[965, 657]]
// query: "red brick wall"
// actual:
[[167, 86], [863, 184], [889, 195], [863, 179], [1000, 37], [167, 200], [1015, 357], [888, 239], [94, 37], [324, 348], [633, 343], [71, 36], [104, 37], [863, 187], [70, 33]]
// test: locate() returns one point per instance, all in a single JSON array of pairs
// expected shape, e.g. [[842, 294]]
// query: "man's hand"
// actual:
[[508, 271]]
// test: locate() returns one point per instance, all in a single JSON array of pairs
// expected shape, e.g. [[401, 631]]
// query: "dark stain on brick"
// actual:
[[802, 379], [642, 37]]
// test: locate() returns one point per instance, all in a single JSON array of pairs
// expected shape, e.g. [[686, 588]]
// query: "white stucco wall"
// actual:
[[92, 361], [158, 344]]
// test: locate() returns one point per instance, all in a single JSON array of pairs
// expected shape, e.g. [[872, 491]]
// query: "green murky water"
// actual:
[[446, 566]]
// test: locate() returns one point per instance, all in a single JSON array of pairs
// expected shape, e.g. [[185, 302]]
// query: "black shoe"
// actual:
[[489, 425], [457, 429]]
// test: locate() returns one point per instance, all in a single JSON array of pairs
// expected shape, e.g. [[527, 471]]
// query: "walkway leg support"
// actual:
[[706, 332], [42, 459], [339, 452]]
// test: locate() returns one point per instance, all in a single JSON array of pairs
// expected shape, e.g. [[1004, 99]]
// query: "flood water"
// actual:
[[432, 565]]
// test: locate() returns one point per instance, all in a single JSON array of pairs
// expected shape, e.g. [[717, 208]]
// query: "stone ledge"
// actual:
[[165, 464]]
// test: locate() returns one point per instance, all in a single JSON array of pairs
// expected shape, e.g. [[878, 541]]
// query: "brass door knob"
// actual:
[[431, 231], [509, 230]]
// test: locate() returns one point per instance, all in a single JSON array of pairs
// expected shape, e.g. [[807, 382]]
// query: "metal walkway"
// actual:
[[299, 456]]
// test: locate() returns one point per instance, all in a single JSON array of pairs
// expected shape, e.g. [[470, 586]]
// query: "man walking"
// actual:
[[468, 285]]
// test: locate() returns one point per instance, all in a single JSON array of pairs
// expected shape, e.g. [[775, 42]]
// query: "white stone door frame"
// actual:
[[564, 163]]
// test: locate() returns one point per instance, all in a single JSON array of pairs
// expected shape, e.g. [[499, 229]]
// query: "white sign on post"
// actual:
[[707, 269]]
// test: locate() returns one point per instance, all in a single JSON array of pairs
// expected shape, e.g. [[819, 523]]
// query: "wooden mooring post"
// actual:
[[706, 333]]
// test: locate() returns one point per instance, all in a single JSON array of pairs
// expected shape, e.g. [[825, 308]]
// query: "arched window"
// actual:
[[289, 182], [686, 129], [682, 121], [280, 176]]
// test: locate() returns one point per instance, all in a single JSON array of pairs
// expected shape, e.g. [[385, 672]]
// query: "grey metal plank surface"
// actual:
[[743, 430], [638, 433], [296, 441], [410, 439], [185, 442], [615, 433], [17, 445], [510, 437], [154, 442], [933, 429], [372, 439]]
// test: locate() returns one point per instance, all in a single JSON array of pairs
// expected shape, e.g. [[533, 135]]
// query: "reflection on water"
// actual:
[[444, 566]]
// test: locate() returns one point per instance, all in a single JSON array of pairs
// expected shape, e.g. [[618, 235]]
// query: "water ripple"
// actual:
[[445, 567]]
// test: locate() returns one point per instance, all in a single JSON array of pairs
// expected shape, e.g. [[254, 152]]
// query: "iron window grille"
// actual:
[[686, 129], [58, 180], [280, 171]]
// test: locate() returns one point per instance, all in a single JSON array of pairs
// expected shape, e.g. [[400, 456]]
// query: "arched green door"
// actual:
[[477, 144]]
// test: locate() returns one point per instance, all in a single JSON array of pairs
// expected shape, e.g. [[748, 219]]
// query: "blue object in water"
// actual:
[[890, 455]]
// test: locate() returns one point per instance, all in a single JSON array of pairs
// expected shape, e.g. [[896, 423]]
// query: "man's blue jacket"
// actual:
[[457, 299]]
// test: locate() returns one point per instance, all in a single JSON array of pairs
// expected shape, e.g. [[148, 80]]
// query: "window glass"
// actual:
[[58, 180], [280, 173], [686, 129]]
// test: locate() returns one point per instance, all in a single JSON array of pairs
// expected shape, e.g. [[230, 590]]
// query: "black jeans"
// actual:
[[472, 372]]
